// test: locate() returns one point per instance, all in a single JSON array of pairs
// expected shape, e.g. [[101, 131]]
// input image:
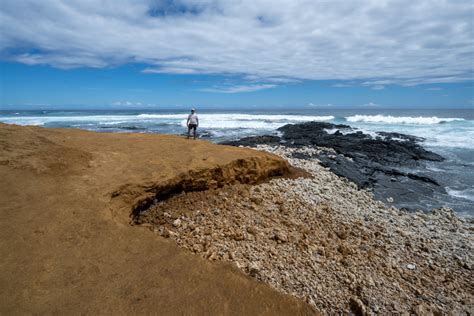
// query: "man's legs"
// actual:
[[192, 127]]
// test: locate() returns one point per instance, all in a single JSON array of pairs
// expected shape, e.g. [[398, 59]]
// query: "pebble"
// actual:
[[252, 230], [254, 269], [411, 266], [357, 306], [280, 236]]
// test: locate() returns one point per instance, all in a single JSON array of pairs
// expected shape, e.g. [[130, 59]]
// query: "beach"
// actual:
[[146, 223]]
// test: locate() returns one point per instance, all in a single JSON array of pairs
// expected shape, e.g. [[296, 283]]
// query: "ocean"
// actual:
[[449, 133]]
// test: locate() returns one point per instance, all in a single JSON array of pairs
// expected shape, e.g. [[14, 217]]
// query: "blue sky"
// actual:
[[168, 54]]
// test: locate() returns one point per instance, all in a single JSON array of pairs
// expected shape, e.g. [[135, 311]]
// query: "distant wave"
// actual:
[[42, 120], [420, 120]]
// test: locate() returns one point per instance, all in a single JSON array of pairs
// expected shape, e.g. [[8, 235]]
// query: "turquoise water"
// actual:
[[449, 133]]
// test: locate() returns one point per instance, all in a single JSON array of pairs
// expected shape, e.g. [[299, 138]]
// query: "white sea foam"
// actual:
[[42, 120], [431, 168], [335, 130], [445, 136], [242, 117], [388, 119], [218, 121], [467, 194], [249, 121], [228, 124], [346, 131], [113, 122]]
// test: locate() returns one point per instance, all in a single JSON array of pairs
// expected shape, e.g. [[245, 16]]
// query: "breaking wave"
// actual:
[[217, 121], [420, 120], [236, 117]]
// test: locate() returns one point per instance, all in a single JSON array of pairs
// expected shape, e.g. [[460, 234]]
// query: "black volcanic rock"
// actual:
[[255, 140], [370, 162], [384, 149]]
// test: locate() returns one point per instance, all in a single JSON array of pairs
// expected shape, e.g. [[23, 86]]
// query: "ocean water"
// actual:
[[449, 133]]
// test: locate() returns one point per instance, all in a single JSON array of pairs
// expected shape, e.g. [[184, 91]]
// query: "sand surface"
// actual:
[[66, 243]]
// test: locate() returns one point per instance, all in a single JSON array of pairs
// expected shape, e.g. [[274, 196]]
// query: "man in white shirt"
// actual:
[[192, 123]]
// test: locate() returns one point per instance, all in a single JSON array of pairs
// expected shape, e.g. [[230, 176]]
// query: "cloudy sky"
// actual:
[[151, 53]]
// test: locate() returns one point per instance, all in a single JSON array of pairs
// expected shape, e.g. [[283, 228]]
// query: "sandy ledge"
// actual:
[[66, 243]]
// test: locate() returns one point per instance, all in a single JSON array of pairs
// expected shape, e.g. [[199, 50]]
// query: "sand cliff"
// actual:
[[66, 197]]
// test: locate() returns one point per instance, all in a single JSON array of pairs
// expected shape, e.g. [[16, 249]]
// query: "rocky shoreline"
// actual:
[[382, 162], [327, 241]]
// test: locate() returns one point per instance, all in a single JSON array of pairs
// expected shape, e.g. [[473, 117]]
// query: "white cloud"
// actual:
[[377, 84], [278, 80], [313, 105], [342, 85], [371, 104], [380, 42], [126, 103], [239, 88], [167, 70]]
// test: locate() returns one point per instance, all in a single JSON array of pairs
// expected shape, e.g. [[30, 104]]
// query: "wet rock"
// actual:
[[250, 141]]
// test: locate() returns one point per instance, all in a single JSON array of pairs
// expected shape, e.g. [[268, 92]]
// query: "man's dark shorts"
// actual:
[[192, 126]]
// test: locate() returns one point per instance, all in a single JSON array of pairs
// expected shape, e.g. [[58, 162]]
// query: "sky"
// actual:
[[232, 54]]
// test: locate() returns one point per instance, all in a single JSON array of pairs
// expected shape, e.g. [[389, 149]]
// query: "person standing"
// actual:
[[192, 123]]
